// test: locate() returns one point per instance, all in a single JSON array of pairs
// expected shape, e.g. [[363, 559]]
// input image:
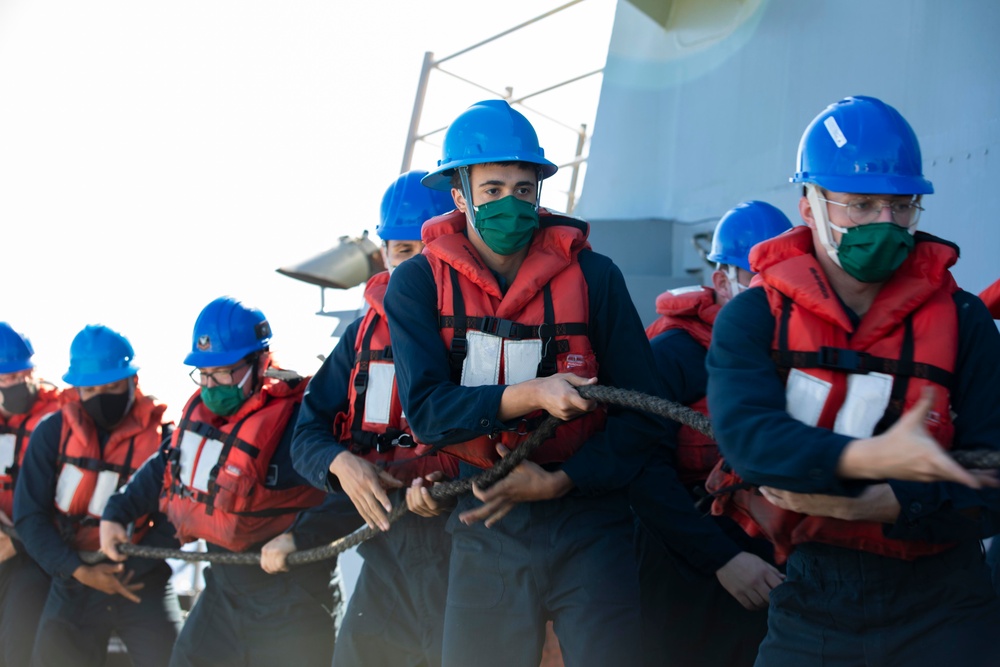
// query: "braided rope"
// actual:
[[442, 491], [973, 459]]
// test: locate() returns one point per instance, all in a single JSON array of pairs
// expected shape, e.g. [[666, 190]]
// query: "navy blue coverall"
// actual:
[[569, 559], [246, 617], [77, 621], [396, 613], [842, 606], [689, 619]]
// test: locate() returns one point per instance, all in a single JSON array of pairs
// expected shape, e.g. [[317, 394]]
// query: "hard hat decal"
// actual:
[[835, 133], [204, 343]]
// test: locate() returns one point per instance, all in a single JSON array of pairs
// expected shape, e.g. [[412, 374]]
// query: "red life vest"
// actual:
[[214, 485], [538, 328], [374, 423], [15, 431], [692, 309], [88, 476], [991, 297], [855, 382]]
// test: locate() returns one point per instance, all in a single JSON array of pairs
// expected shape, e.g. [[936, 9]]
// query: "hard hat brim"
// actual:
[[98, 378], [213, 359], [440, 178], [868, 184]]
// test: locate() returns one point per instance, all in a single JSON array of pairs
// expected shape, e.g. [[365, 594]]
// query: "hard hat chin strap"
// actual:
[[538, 189], [733, 276], [823, 224], [470, 212]]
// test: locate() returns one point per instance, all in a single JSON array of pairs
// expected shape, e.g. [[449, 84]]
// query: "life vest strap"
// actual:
[[853, 361]]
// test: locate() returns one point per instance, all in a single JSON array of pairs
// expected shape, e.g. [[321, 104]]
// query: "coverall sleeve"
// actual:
[[141, 495], [314, 446]]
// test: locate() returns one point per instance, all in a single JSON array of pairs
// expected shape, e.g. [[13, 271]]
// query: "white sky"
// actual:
[[154, 156]]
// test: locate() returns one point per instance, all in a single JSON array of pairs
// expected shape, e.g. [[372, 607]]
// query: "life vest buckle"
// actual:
[[501, 327], [361, 382], [841, 359], [404, 440]]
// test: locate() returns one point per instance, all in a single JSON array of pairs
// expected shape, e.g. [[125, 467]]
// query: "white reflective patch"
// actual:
[[190, 442], [191, 445], [69, 480], [7, 443], [866, 401], [686, 290], [378, 396], [805, 396], [107, 484], [520, 360], [835, 133], [482, 361]]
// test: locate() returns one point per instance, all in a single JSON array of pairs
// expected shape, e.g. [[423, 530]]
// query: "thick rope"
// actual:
[[973, 459]]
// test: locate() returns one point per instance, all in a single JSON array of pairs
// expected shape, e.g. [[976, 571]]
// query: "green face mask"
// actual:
[[224, 400], [506, 225], [871, 253]]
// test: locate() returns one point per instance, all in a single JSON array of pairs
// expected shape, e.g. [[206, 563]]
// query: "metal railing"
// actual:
[[430, 64]]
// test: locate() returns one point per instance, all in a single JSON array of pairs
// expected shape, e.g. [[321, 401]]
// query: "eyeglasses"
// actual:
[[863, 211], [221, 378]]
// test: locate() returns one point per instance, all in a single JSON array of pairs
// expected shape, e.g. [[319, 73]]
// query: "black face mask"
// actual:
[[108, 409], [18, 398]]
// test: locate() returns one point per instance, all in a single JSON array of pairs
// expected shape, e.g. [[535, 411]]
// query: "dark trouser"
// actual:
[[24, 588], [841, 607], [570, 559], [396, 614], [78, 621], [246, 617], [688, 618]]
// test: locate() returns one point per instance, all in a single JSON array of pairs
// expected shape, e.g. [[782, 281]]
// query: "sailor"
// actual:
[[76, 459], [698, 574], [837, 387], [226, 478], [24, 400], [352, 435], [497, 323]]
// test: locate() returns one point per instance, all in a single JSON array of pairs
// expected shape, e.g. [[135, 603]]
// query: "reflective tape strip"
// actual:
[[805, 396], [69, 481], [198, 456], [107, 484], [521, 359], [378, 396], [8, 441], [866, 401], [482, 360]]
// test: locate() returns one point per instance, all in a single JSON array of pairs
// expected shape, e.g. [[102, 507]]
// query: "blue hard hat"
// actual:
[[743, 227], [99, 355], [488, 131], [861, 145], [15, 350], [227, 331], [407, 204]]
